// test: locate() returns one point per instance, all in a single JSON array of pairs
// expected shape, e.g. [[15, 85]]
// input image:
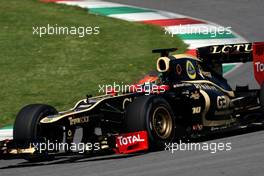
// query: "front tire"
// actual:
[[27, 129], [154, 115]]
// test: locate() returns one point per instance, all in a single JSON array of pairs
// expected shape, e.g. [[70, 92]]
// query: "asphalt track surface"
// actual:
[[244, 16], [247, 154]]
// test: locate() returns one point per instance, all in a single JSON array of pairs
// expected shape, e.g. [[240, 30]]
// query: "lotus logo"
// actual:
[[191, 72]]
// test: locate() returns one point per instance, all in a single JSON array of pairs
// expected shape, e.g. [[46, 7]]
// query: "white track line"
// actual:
[[205, 42], [158, 14], [91, 4], [143, 16], [6, 134]]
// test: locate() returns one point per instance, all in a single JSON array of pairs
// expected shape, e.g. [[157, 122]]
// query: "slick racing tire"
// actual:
[[154, 115], [27, 130]]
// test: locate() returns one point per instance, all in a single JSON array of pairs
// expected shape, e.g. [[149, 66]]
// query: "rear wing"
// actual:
[[216, 55], [229, 53]]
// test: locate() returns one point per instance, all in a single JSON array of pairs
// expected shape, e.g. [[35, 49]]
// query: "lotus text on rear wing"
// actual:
[[246, 47]]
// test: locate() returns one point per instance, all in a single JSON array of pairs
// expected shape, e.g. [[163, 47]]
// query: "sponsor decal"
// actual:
[[125, 140], [74, 121], [181, 85], [258, 60], [223, 102], [244, 47], [204, 86], [259, 66], [221, 112], [191, 72], [132, 142]]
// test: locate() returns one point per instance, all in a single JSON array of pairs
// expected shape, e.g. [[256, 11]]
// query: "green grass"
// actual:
[[62, 69]]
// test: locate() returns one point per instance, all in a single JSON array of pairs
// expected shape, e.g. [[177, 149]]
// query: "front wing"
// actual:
[[125, 143]]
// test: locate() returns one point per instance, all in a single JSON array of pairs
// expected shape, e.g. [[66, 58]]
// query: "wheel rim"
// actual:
[[162, 123]]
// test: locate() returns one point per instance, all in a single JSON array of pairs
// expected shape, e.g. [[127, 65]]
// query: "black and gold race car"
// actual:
[[189, 98]]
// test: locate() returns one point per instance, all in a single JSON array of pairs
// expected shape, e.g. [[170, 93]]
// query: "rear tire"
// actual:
[[154, 115], [27, 129]]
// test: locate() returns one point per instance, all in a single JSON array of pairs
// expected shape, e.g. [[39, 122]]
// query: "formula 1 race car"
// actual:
[[188, 98]]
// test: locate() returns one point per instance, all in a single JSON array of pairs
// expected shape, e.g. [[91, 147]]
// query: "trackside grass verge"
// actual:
[[60, 69]]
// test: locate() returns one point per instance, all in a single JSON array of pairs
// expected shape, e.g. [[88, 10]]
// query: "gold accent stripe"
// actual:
[[207, 107], [183, 56], [51, 120]]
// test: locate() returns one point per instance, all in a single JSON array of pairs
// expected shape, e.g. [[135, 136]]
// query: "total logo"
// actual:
[[125, 140], [259, 66]]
